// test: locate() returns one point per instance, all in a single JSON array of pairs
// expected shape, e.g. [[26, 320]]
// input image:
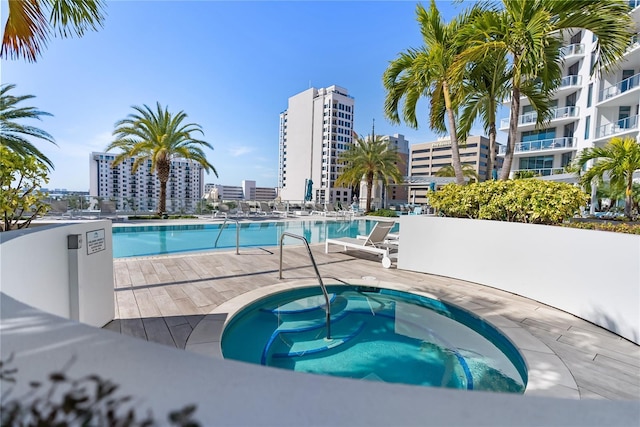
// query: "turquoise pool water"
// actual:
[[377, 335], [131, 241]]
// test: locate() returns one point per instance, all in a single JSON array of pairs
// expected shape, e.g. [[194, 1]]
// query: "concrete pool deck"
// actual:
[[163, 299]]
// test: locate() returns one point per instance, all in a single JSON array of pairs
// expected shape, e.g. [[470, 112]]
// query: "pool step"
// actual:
[[317, 345], [308, 311]]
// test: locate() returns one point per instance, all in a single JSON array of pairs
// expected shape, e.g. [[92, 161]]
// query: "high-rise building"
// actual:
[[398, 193], [247, 191], [141, 191], [427, 158], [315, 128], [588, 109]]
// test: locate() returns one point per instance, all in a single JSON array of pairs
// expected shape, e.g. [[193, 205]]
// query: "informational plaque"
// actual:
[[95, 241]]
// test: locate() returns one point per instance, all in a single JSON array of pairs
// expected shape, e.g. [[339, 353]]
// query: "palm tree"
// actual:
[[484, 87], [12, 134], [28, 27], [158, 136], [467, 170], [529, 33], [425, 72], [618, 159], [370, 158]]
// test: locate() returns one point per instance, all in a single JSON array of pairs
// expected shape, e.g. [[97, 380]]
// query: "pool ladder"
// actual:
[[215, 245], [315, 267]]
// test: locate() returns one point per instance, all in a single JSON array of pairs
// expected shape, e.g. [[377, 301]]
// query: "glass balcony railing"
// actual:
[[531, 117], [572, 49], [620, 126], [530, 173], [620, 87], [545, 144], [569, 81]]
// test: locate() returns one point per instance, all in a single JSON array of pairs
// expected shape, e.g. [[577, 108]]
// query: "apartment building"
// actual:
[[588, 110], [141, 190], [247, 191], [314, 129], [427, 158]]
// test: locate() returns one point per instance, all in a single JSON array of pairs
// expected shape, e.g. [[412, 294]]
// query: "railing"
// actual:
[[620, 126], [545, 144], [569, 81], [532, 117], [634, 3], [215, 245], [620, 87], [526, 173], [572, 49], [315, 267]]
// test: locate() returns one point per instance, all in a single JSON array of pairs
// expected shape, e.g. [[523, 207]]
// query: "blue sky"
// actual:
[[230, 66]]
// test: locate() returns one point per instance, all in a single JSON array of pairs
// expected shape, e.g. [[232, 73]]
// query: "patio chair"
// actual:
[[223, 211], [59, 209], [416, 211], [108, 209], [266, 210], [376, 242], [281, 209]]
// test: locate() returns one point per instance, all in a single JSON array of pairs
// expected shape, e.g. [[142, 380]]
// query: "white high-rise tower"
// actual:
[[315, 128]]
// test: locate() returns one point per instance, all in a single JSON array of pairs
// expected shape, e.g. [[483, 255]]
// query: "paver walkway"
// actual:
[[161, 299]]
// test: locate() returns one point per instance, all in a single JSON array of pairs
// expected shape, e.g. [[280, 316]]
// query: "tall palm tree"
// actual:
[[158, 136], [13, 135], [373, 159], [618, 159], [425, 72], [529, 33], [31, 23], [467, 170]]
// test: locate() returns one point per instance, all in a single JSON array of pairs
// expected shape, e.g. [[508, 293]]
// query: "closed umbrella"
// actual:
[[309, 193]]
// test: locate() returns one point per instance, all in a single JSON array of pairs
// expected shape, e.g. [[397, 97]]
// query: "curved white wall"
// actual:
[[37, 268], [594, 275]]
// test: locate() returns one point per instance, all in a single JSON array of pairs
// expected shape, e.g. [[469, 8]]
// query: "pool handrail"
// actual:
[[215, 245], [315, 267]]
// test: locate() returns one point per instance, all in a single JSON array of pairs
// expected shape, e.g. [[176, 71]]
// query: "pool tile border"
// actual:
[[548, 376]]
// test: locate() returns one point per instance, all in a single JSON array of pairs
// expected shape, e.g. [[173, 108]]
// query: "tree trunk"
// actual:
[[628, 200], [513, 130], [163, 167], [455, 152], [369, 191], [491, 158]]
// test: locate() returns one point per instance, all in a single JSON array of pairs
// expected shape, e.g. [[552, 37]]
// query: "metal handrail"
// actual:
[[215, 245], [315, 267]]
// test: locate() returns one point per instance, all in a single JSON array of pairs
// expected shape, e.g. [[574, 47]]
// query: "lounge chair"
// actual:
[[281, 209], [266, 210], [223, 211], [376, 242], [108, 209], [416, 211]]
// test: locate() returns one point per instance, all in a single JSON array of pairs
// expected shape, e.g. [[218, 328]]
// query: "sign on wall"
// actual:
[[95, 241]]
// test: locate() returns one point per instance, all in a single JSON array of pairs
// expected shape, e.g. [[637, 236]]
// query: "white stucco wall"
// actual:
[[594, 275], [35, 269]]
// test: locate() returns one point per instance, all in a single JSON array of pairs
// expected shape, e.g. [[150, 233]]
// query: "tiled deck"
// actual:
[[162, 299]]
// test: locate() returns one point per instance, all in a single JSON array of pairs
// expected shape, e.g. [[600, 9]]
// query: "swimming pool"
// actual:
[[131, 241], [378, 335]]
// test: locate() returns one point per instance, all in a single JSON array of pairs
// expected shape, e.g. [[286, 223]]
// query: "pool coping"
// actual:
[[548, 376]]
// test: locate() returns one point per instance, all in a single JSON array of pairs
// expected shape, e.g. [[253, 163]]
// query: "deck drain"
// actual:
[[368, 278]]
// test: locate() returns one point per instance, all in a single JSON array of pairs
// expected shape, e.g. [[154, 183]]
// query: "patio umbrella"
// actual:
[[309, 190]]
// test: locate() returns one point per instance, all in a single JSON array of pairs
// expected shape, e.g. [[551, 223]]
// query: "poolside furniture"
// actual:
[[223, 211], [108, 209], [59, 209], [416, 211], [281, 209], [376, 242], [266, 210]]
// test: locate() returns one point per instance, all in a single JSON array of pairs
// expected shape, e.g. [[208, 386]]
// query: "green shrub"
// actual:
[[606, 226], [529, 201], [383, 212]]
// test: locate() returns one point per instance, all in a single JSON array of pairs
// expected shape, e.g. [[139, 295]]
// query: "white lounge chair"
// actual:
[[375, 242]]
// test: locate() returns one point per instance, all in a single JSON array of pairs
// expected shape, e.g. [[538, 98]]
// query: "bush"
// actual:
[[530, 201], [606, 226], [383, 212]]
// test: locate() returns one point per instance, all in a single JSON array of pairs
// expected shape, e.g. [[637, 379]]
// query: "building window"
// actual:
[[587, 125], [590, 95]]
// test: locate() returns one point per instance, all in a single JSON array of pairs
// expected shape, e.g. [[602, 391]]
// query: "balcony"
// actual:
[[560, 144], [572, 50], [528, 120], [567, 84], [537, 172], [620, 127], [617, 94]]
